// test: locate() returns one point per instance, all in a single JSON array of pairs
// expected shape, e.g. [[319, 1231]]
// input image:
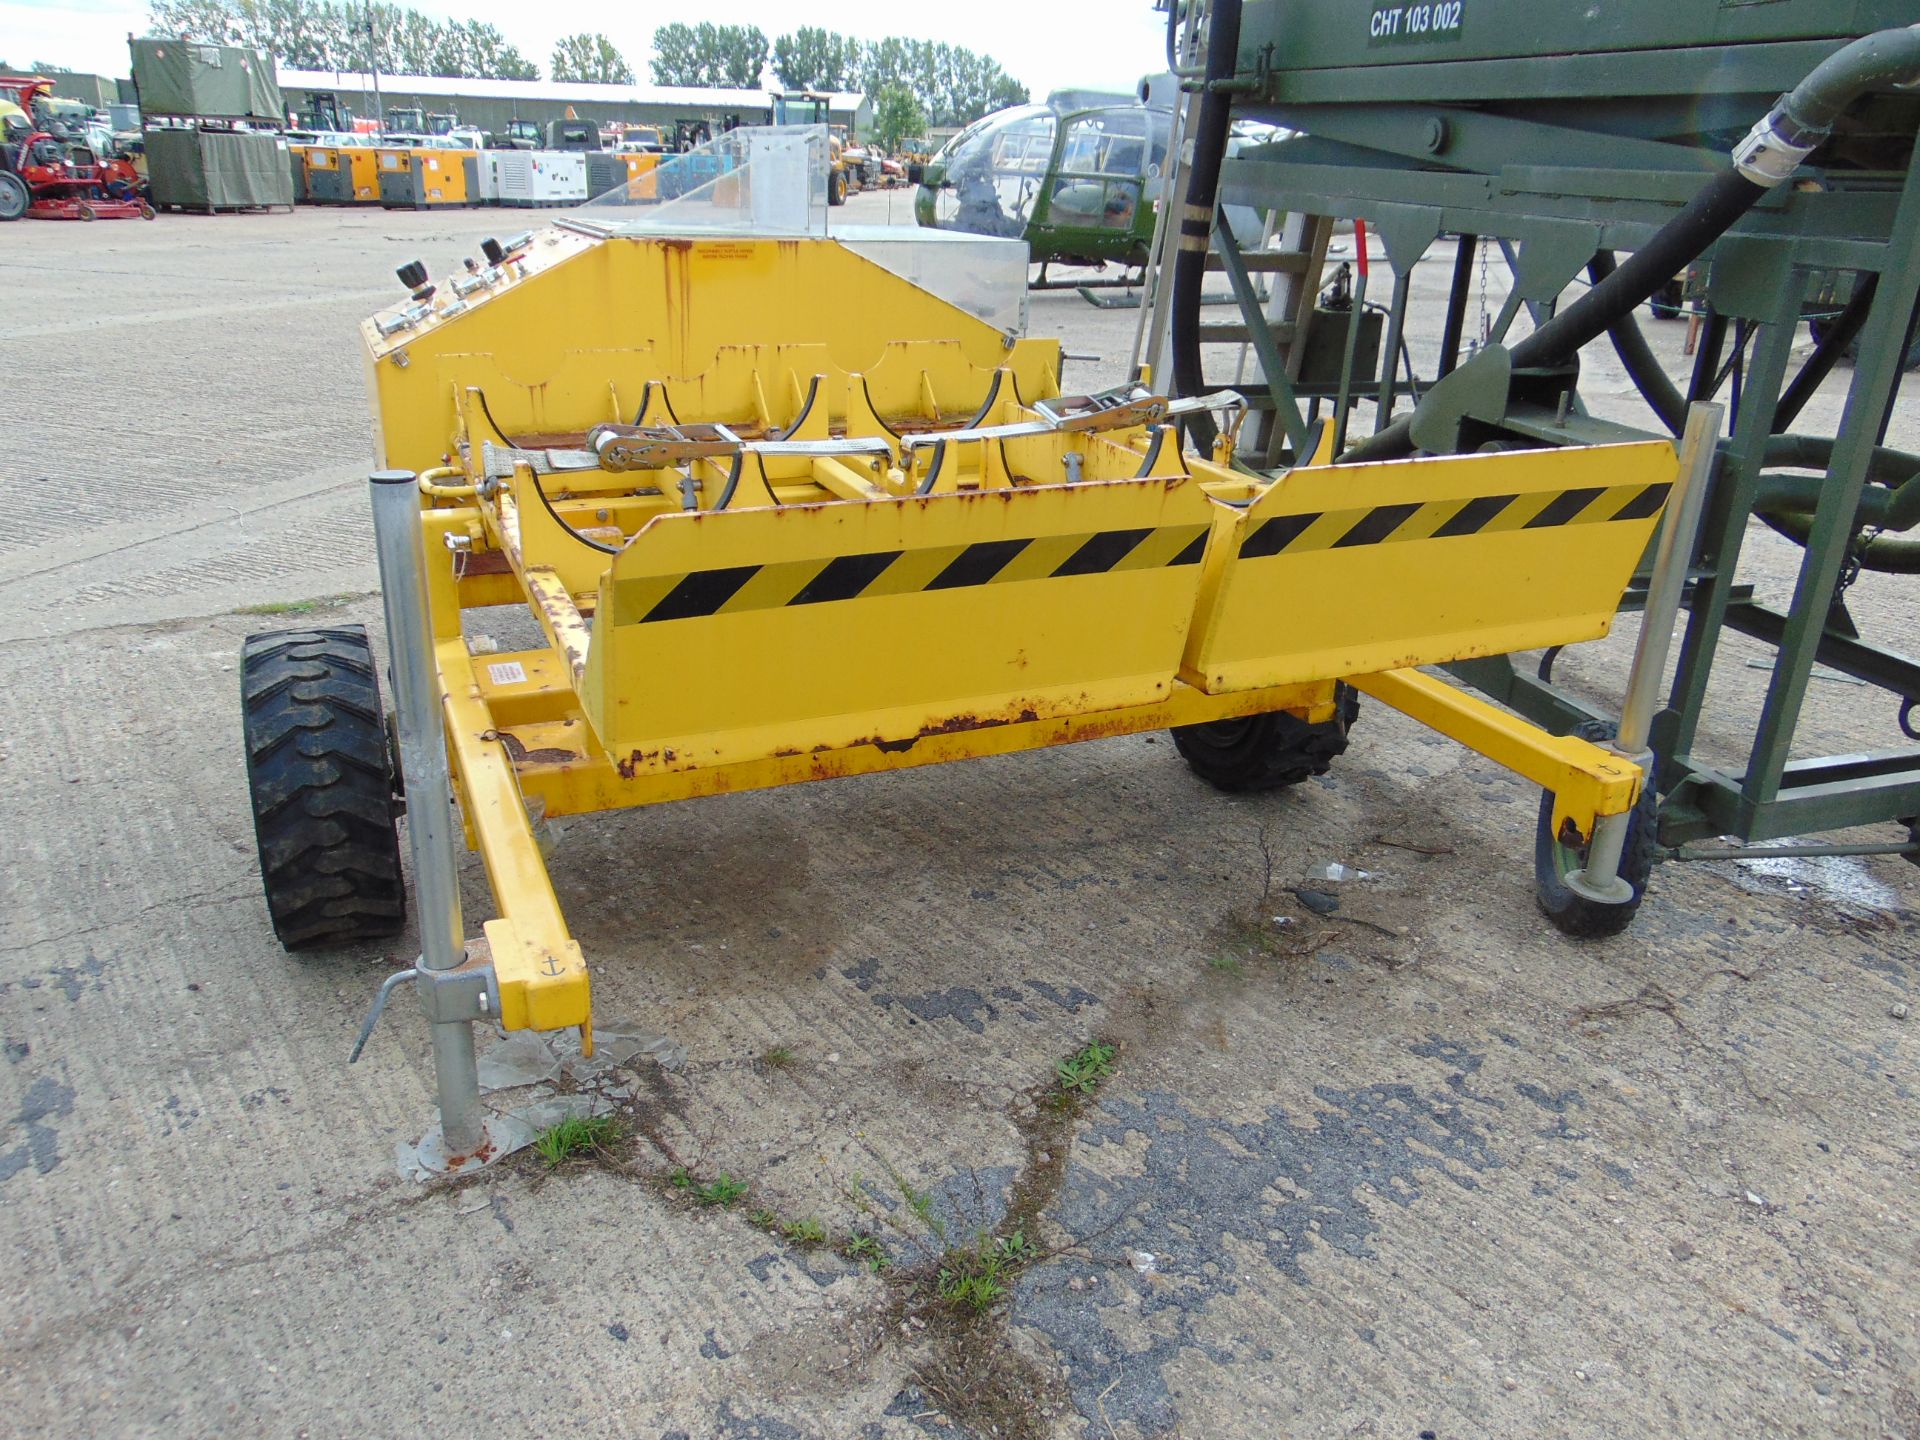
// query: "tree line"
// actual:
[[341, 34], [951, 85]]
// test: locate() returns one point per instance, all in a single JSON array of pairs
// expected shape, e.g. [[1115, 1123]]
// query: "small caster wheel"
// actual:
[[1572, 913]]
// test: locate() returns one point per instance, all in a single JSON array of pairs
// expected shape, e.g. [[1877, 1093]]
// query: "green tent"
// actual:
[[209, 82]]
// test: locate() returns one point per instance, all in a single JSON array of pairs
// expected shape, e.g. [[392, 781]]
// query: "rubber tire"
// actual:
[[836, 188], [87, 213], [1817, 330], [14, 196], [1269, 751], [319, 778], [1575, 915]]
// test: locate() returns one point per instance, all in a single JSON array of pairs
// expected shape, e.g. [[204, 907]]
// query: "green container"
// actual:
[[217, 170]]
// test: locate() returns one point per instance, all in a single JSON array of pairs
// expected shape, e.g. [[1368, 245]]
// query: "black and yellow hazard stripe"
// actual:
[[738, 588], [1447, 519]]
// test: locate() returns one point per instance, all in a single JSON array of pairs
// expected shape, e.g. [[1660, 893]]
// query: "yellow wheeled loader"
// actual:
[[769, 537]]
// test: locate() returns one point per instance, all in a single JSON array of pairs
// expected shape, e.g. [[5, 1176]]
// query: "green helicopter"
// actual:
[[1079, 178]]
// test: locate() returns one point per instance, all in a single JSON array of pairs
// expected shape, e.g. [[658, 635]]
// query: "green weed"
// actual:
[[920, 1202], [722, 1192], [975, 1279], [867, 1250], [1082, 1072], [296, 607], [805, 1232], [574, 1135]]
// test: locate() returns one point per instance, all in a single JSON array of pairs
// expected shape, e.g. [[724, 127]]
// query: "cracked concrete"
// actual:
[[1431, 1169]]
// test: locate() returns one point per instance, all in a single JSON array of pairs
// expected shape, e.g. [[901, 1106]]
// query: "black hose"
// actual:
[[1464, 251], [1196, 213], [1674, 246], [1663, 397], [1832, 346]]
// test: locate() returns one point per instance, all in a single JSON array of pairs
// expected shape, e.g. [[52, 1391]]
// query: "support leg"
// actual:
[[452, 992]]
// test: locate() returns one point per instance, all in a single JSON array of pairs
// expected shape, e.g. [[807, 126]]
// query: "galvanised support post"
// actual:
[[1600, 879], [452, 994]]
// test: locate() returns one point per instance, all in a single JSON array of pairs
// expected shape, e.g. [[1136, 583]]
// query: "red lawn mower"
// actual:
[[48, 167]]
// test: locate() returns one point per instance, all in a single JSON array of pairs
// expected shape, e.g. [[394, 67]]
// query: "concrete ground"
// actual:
[[1416, 1167]]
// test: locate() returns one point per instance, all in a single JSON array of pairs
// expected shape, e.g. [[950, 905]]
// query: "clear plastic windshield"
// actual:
[[754, 180], [994, 172]]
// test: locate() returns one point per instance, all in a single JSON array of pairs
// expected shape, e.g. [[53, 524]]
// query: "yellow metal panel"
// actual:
[[579, 313], [1349, 569], [1035, 616]]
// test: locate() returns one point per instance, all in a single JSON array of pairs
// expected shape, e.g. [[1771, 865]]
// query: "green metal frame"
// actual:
[[1601, 150]]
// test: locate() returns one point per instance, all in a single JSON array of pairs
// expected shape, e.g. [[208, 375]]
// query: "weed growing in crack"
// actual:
[[780, 1057], [867, 1251], [920, 1202], [1082, 1072], [1015, 1249], [764, 1218], [722, 1192], [976, 1278], [575, 1135], [806, 1232]]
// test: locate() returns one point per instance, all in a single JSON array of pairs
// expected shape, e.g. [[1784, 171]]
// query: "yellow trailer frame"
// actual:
[[769, 538]]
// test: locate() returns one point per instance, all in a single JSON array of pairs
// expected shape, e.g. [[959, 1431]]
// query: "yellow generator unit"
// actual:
[[425, 178], [342, 175], [641, 182], [769, 537]]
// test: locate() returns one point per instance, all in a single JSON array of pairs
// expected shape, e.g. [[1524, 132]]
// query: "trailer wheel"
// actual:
[[1266, 752], [14, 198], [836, 188], [321, 782], [146, 211], [1574, 914], [86, 211]]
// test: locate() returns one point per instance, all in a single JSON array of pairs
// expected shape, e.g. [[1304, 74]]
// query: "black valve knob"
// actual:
[[413, 274], [492, 249]]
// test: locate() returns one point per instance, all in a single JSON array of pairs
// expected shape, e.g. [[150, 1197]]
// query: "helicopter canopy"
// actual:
[[1110, 162]]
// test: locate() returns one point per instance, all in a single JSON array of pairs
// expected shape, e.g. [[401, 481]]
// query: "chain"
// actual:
[[1487, 319], [1856, 559]]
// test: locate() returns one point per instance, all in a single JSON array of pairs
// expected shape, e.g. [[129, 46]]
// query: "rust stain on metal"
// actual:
[[640, 760], [518, 752]]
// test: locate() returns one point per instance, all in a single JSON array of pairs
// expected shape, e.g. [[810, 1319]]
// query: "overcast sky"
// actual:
[[1044, 46]]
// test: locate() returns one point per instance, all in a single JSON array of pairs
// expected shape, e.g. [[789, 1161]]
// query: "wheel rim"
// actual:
[[1224, 734], [1567, 859]]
